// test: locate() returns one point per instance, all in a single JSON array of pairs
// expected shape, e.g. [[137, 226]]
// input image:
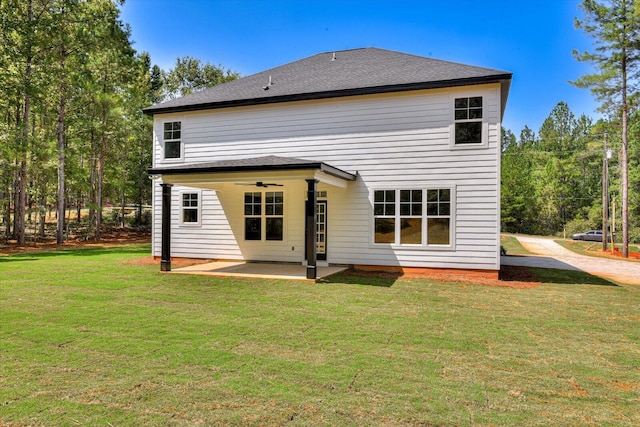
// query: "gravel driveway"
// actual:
[[549, 254]]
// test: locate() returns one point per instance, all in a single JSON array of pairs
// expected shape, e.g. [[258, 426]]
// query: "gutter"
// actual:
[[498, 78]]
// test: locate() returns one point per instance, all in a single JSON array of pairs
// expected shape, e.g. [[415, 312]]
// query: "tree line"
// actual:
[[73, 137], [552, 180], [72, 133]]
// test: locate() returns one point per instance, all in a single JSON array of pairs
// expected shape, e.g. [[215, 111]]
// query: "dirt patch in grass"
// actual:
[[509, 277], [617, 253], [595, 249]]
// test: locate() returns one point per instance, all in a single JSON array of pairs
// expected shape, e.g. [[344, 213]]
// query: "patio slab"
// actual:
[[257, 270]]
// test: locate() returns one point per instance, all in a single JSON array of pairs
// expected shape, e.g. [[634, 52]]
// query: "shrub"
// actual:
[[145, 219], [579, 225]]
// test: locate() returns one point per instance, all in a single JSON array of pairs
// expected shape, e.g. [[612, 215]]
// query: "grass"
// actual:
[[593, 248], [512, 245], [87, 339], [557, 276]]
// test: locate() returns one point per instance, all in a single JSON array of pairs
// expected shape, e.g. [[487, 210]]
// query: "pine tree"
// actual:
[[614, 28]]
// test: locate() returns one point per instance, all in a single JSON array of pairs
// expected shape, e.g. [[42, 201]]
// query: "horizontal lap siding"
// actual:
[[221, 232], [212, 238], [318, 119], [391, 141]]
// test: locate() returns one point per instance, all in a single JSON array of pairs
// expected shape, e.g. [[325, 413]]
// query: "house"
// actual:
[[364, 157]]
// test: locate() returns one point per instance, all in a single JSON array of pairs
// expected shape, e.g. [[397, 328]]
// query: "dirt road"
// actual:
[[549, 254]]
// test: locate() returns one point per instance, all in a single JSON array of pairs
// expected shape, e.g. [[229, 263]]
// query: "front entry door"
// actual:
[[321, 230]]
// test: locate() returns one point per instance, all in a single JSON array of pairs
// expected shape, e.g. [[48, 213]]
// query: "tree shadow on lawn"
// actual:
[[568, 277], [510, 273], [510, 276], [351, 277]]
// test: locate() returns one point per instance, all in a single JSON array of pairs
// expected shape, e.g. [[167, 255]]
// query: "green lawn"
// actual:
[[512, 245], [594, 248], [86, 339]]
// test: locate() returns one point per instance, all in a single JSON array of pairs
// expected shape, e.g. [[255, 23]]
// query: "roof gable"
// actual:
[[334, 74]]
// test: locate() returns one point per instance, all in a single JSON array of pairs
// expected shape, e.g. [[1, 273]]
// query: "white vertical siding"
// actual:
[[391, 141]]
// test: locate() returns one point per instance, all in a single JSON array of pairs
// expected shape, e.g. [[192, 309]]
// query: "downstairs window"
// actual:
[[410, 217], [190, 208], [264, 215]]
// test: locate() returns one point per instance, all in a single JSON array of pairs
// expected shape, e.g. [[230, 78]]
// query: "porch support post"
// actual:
[[165, 261], [310, 228]]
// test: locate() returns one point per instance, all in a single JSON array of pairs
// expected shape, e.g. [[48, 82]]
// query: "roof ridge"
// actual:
[[343, 50]]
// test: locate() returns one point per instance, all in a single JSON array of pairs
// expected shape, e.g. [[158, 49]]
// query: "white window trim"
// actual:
[[424, 246], [485, 124], [181, 209], [162, 143], [263, 217]]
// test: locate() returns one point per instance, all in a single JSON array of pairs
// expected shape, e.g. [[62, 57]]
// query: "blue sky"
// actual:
[[533, 39]]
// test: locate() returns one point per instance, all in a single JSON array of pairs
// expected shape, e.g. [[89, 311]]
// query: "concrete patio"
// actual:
[[258, 270]]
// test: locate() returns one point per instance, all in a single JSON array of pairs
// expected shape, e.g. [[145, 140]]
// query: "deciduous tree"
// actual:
[[190, 75]]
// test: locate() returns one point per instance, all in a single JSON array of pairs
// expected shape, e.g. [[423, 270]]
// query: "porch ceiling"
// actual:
[[265, 169]]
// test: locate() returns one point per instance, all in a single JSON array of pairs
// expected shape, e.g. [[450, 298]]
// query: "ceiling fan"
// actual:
[[261, 184]]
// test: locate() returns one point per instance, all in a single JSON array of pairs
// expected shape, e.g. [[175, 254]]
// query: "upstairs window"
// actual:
[[172, 140], [468, 120]]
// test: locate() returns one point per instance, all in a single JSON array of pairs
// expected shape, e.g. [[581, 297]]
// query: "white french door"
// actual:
[[321, 230]]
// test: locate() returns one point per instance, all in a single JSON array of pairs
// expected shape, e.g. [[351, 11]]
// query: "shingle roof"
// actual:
[[334, 74], [254, 164]]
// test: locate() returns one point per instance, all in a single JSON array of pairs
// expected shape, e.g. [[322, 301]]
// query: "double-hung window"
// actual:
[[412, 217], [384, 212], [274, 215], [253, 216], [264, 215], [172, 138], [190, 208], [439, 217], [468, 112]]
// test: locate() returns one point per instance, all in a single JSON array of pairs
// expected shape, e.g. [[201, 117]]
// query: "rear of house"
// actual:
[[364, 157]]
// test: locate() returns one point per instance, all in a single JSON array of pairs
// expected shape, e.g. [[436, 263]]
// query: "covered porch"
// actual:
[[232, 179], [258, 270]]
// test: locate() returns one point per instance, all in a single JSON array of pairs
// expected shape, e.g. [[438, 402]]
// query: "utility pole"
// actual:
[[613, 225], [605, 195]]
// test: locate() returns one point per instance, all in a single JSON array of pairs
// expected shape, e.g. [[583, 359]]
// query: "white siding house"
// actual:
[[399, 156]]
